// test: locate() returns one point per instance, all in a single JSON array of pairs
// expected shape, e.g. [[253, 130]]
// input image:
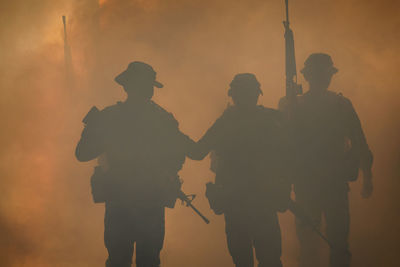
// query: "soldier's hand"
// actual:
[[368, 187]]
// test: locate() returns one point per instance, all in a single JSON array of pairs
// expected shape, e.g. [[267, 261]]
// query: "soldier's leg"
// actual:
[[117, 238], [150, 240], [337, 226], [239, 240], [267, 240], [310, 243]]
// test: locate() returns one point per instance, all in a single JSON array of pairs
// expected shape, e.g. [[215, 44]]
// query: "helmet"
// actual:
[[244, 81], [319, 61]]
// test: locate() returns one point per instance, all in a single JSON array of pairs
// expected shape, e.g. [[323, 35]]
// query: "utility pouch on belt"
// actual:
[[215, 198], [99, 184]]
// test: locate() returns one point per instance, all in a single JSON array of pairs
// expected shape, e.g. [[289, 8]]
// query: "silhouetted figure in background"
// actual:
[[330, 146], [250, 187], [141, 150]]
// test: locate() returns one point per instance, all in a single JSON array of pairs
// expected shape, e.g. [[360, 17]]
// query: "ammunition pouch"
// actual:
[[215, 198], [100, 185]]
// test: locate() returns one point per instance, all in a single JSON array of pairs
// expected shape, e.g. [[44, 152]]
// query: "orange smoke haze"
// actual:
[[46, 214]]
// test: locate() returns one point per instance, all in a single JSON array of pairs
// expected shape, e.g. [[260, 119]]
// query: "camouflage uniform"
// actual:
[[247, 146], [144, 150]]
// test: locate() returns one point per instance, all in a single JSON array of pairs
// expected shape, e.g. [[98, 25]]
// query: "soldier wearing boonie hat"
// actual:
[[142, 150], [138, 71]]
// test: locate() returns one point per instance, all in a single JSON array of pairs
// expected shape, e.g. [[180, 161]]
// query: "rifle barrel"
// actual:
[[64, 19], [287, 11], [299, 213], [207, 221]]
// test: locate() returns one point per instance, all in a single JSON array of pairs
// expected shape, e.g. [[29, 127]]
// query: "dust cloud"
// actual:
[[46, 214]]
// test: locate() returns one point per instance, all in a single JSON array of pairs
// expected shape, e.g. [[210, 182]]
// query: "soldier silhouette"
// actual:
[[250, 186], [330, 147], [140, 151]]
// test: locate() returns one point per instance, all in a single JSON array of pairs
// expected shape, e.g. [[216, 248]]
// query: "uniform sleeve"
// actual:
[[181, 140], [91, 143], [207, 143], [356, 135], [175, 144]]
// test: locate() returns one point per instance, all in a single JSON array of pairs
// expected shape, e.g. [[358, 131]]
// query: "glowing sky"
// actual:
[[196, 47]]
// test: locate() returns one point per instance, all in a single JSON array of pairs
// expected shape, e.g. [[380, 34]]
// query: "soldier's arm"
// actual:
[[198, 150], [90, 146], [360, 146], [183, 143], [357, 137]]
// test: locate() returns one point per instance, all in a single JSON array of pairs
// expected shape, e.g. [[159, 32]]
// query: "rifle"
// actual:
[[187, 199], [100, 191], [299, 213], [67, 48], [292, 87], [67, 54]]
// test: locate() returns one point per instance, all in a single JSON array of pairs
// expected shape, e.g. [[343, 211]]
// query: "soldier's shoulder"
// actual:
[[112, 110], [334, 94], [164, 114], [271, 116], [98, 116], [270, 112], [228, 114], [284, 102], [338, 96], [229, 110]]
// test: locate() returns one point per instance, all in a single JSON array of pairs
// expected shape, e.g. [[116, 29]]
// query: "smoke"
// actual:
[[47, 218]]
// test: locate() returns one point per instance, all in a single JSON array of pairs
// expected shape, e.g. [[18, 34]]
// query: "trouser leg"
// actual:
[[150, 241], [117, 239], [337, 227], [267, 240], [309, 241], [239, 240]]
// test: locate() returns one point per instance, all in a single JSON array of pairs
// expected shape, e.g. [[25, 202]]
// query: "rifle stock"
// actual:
[[303, 216], [185, 198]]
